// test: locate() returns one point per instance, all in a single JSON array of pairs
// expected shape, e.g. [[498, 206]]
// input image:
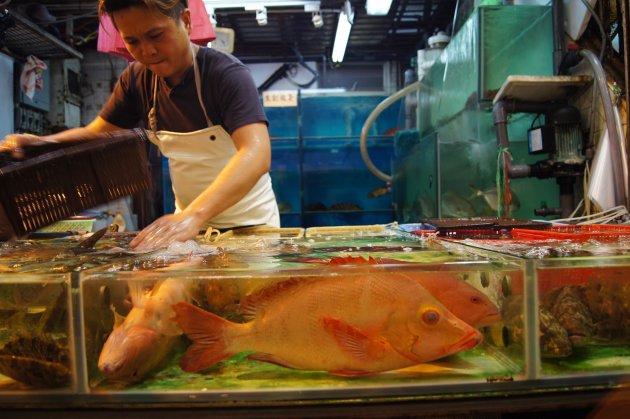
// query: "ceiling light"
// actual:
[[344, 24], [261, 15], [317, 19], [378, 7]]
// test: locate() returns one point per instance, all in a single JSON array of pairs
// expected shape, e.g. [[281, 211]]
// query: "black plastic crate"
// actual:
[[49, 187]]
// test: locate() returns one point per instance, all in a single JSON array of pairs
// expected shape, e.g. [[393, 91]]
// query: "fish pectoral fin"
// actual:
[[354, 341], [202, 355], [271, 359], [118, 319]]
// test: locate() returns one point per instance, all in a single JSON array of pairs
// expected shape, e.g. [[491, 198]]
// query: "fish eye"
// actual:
[[431, 317], [475, 299]]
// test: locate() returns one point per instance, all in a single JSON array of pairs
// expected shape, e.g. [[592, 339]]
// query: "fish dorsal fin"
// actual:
[[253, 305]]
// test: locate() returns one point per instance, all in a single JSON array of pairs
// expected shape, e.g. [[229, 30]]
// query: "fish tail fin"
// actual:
[[475, 191], [206, 331]]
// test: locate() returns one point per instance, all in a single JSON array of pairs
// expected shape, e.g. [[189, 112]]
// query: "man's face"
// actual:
[[156, 40]]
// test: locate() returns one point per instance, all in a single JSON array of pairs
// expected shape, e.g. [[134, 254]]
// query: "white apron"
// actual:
[[195, 160]]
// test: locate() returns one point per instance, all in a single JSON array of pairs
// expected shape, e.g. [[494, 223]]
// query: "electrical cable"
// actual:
[[603, 217], [307, 67]]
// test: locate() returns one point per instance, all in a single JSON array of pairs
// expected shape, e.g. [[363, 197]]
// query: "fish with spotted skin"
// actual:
[[349, 326]]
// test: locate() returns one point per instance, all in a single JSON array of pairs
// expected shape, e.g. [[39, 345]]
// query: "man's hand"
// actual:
[[167, 229], [15, 143]]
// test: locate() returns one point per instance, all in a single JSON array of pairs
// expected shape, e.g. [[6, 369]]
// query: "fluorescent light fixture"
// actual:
[[378, 7], [343, 33]]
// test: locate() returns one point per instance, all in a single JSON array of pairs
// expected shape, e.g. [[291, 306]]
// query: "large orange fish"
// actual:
[[351, 326], [142, 341], [462, 299], [458, 296]]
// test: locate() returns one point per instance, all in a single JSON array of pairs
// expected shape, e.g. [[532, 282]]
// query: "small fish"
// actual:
[[351, 326], [36, 310], [142, 341], [455, 206], [380, 191], [491, 198], [391, 131]]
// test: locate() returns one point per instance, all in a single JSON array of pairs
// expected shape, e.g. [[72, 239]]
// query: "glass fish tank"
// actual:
[[581, 278], [292, 313], [295, 331], [299, 315], [70, 253], [36, 334]]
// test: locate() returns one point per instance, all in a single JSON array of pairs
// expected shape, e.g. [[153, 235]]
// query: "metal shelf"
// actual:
[[26, 38]]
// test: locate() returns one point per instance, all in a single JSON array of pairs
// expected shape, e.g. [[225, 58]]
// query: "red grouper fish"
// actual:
[[462, 299], [144, 339], [350, 326]]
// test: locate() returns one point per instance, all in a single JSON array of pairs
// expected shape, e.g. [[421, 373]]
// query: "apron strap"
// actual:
[[198, 85], [153, 111]]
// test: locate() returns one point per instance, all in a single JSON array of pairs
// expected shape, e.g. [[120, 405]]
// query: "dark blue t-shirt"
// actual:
[[229, 93]]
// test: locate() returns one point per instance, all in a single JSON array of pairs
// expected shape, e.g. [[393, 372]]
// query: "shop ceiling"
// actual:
[[290, 31]]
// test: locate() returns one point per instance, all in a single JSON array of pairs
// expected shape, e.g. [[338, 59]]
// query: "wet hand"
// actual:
[[15, 143], [167, 229]]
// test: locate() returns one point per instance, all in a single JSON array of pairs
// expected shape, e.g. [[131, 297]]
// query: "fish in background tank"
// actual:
[[583, 297], [326, 311], [591, 303], [35, 334]]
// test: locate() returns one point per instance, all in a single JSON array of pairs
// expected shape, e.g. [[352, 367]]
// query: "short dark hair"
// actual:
[[170, 8]]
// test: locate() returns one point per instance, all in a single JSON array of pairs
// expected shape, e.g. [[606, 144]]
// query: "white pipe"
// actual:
[[616, 150], [370, 120]]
